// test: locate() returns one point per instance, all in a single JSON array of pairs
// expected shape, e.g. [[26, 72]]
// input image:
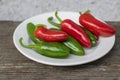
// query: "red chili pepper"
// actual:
[[75, 31], [50, 35], [96, 26]]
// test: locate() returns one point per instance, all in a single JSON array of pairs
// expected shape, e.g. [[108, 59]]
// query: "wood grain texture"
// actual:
[[14, 66]]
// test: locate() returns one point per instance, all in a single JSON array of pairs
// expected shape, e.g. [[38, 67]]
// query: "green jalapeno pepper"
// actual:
[[91, 36], [71, 43], [30, 30], [74, 46], [50, 49]]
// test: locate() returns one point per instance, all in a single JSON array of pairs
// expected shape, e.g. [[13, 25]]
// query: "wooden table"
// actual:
[[15, 66]]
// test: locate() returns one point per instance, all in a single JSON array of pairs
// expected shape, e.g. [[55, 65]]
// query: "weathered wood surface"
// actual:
[[14, 66]]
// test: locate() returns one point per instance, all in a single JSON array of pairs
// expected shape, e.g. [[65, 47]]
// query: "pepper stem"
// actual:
[[80, 13], [25, 46], [58, 18], [50, 20], [38, 25], [87, 11]]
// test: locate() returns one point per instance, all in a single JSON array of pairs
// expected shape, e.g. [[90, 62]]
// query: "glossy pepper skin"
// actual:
[[91, 36], [96, 26], [75, 31], [49, 49], [50, 35], [74, 46], [71, 43]]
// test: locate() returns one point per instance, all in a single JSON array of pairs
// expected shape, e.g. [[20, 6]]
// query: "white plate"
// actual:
[[105, 44]]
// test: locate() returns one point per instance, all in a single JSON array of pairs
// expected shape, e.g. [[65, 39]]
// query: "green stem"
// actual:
[[80, 13], [38, 25], [50, 20], [56, 15], [25, 46], [87, 11]]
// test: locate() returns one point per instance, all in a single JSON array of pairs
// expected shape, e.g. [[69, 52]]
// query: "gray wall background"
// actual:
[[18, 10]]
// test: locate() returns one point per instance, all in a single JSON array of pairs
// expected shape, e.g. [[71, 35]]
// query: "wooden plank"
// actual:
[[14, 66]]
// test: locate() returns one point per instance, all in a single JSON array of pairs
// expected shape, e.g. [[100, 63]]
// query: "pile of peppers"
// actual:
[[67, 36]]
